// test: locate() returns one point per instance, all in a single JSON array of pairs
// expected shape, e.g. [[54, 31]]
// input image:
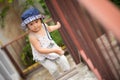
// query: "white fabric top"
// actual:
[[44, 43]]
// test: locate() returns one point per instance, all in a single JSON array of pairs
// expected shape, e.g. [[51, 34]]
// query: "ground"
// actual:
[[77, 72]]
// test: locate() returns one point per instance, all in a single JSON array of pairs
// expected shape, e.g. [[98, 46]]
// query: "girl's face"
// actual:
[[35, 25]]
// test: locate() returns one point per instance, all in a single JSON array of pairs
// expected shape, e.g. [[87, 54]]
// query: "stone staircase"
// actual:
[[77, 72], [68, 74], [80, 72]]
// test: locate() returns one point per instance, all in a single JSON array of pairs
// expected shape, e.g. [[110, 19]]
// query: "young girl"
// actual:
[[44, 49]]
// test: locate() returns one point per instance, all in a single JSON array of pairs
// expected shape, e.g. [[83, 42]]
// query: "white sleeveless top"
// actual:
[[44, 43]]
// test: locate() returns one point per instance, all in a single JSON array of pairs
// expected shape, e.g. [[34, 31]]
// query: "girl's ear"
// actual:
[[41, 20], [27, 27]]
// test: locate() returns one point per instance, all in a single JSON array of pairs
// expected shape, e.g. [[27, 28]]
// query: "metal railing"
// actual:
[[84, 30]]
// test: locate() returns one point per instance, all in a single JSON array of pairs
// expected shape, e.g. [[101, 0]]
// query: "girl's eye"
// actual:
[[36, 21], [31, 24]]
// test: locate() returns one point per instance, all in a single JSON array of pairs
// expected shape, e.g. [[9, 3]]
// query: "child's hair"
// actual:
[[29, 15]]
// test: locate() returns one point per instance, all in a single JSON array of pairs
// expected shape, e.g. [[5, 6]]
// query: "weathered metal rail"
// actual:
[[87, 36]]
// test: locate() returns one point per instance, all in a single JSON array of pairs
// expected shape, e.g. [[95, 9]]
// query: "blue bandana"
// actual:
[[30, 15]]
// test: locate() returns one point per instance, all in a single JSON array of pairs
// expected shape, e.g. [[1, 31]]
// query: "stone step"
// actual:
[[68, 74], [77, 72], [80, 72]]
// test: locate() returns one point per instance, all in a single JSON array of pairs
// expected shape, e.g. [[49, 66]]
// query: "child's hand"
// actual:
[[62, 52], [59, 51], [58, 24]]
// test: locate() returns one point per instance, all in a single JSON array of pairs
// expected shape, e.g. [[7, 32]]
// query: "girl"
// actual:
[[44, 49]]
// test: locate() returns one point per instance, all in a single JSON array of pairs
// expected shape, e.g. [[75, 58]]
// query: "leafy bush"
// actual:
[[26, 56], [57, 37]]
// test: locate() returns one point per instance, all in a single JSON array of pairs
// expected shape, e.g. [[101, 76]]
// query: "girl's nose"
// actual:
[[35, 25]]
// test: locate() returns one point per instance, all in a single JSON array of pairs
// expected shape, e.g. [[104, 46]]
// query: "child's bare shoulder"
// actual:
[[31, 36]]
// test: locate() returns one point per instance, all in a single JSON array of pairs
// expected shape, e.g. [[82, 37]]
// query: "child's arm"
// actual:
[[54, 27], [36, 45]]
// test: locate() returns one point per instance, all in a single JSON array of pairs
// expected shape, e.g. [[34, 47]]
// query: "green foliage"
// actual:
[[57, 37], [1, 0], [10, 1], [3, 15], [28, 3], [26, 56], [3, 12], [42, 2], [116, 2]]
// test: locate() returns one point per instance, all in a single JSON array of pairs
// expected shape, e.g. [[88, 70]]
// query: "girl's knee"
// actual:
[[65, 64], [63, 59], [52, 69], [50, 66]]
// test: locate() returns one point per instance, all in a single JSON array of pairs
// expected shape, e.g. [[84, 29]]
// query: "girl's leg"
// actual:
[[51, 67], [63, 62]]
